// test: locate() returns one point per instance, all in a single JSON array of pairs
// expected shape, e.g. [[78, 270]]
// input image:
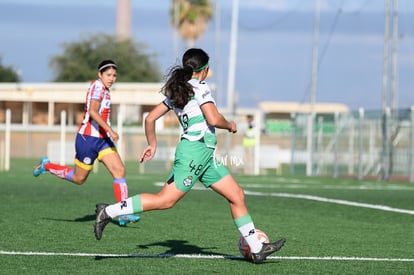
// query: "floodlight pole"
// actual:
[[231, 108], [232, 58], [394, 58], [384, 157], [311, 117]]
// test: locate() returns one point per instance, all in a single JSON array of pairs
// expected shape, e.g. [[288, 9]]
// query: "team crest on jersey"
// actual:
[[187, 181], [87, 160]]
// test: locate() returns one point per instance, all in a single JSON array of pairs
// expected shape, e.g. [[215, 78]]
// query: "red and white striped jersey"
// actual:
[[97, 91]]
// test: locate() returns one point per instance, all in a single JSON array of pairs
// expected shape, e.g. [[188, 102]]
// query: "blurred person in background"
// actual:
[[249, 144], [95, 140]]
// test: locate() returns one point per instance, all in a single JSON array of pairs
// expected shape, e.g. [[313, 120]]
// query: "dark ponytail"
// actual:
[[177, 87]]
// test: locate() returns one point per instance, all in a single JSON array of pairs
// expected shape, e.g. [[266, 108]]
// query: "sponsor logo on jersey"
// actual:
[[206, 93]]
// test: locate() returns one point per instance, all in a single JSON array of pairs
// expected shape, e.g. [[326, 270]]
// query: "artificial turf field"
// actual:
[[332, 226]]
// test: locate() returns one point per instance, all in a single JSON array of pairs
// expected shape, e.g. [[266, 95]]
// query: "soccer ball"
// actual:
[[244, 247]]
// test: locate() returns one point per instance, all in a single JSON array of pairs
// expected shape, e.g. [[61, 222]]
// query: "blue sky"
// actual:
[[274, 52]]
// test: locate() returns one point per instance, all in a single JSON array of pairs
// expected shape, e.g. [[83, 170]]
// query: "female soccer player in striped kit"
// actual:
[[95, 140], [189, 96]]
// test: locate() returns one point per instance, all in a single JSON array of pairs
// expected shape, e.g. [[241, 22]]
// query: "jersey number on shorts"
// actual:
[[195, 168]]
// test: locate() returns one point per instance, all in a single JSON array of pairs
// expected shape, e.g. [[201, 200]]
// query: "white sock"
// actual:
[[250, 235], [120, 208]]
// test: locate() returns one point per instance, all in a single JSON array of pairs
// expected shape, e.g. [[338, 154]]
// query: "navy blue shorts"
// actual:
[[88, 149]]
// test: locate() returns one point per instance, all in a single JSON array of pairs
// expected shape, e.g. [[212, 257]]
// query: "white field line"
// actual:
[[322, 199], [331, 186], [200, 256], [303, 185], [316, 198]]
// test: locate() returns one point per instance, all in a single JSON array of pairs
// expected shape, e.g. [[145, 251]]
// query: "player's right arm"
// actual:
[[158, 111]]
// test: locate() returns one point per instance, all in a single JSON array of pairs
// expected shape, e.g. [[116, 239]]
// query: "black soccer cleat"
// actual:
[[102, 219], [267, 249]]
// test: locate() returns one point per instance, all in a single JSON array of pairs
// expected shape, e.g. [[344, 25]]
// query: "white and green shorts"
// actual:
[[195, 161]]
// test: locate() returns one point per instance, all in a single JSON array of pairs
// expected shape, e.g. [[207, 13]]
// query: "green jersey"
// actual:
[[194, 124], [194, 155]]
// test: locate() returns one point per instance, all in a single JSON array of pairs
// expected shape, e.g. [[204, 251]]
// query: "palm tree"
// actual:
[[190, 17]]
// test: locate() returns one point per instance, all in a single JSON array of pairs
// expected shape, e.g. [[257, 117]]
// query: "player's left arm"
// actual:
[[94, 113], [216, 119], [208, 107]]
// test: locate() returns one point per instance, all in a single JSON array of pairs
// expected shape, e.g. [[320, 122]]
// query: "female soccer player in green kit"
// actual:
[[189, 96]]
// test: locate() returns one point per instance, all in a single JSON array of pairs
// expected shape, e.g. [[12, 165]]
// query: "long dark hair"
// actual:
[[177, 87]]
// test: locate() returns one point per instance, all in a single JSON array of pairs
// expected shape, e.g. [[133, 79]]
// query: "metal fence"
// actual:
[[362, 144]]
